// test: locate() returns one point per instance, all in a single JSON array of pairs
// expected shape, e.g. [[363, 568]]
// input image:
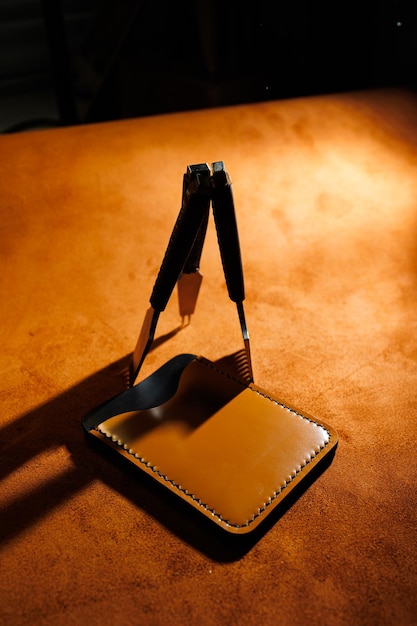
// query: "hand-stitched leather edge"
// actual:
[[260, 511], [198, 501]]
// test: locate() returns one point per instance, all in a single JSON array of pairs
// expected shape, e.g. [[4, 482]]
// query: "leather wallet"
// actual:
[[229, 449]]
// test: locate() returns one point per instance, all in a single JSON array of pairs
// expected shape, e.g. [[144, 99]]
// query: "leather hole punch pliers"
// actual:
[[180, 265]]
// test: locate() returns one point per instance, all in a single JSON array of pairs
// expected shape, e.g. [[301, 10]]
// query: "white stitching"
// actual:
[[275, 494]]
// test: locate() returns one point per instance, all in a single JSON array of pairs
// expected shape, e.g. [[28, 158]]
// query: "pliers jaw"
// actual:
[[196, 181]]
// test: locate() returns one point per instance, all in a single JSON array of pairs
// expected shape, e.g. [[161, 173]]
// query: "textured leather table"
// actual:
[[326, 199]]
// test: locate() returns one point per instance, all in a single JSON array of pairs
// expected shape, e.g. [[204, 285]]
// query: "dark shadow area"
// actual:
[[136, 57], [102, 60], [58, 423], [181, 387]]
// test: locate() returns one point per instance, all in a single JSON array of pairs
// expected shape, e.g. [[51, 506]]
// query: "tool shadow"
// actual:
[[57, 423]]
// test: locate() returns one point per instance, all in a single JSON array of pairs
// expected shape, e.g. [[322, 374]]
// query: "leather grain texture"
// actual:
[[326, 194]]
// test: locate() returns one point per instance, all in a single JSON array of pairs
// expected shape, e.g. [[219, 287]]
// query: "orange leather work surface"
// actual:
[[326, 200]]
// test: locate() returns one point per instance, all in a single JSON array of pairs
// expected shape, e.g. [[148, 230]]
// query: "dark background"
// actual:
[[108, 60]]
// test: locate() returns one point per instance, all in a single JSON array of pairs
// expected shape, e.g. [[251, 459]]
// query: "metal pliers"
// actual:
[[182, 258]]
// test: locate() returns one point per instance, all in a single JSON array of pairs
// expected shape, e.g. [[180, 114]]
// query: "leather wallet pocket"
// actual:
[[229, 449]]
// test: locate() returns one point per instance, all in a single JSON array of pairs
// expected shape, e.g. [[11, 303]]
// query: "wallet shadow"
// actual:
[[58, 423]]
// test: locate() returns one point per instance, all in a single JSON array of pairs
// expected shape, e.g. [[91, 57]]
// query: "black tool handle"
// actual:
[[227, 233], [192, 263], [195, 205]]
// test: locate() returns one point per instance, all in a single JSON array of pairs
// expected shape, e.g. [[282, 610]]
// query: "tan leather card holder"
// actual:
[[228, 448]]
